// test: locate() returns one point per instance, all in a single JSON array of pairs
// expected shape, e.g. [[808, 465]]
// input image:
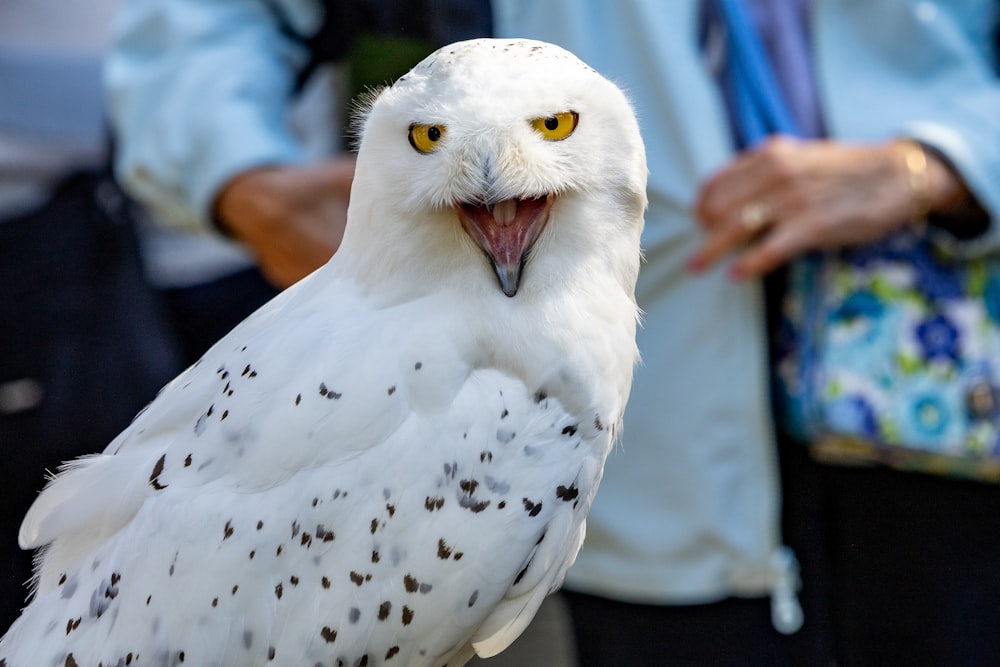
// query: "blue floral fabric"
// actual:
[[891, 354]]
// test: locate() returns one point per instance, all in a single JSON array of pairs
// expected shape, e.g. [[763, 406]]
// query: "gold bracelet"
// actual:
[[919, 180]]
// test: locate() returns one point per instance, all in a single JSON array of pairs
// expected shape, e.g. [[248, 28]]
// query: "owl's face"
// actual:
[[499, 136]]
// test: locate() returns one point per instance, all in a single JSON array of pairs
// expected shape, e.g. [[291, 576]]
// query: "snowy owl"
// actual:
[[391, 462]]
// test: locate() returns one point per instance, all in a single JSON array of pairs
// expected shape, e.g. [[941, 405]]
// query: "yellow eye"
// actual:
[[557, 127], [425, 138]]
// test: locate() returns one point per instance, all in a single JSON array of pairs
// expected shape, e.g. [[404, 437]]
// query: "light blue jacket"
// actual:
[[199, 91], [688, 510]]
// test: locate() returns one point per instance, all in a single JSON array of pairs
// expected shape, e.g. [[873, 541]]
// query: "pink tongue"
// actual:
[[506, 234]]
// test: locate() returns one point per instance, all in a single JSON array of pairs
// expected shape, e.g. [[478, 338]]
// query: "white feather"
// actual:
[[392, 461]]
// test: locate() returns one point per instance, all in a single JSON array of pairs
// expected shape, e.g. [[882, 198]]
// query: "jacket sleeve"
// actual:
[[199, 91], [970, 141], [935, 77]]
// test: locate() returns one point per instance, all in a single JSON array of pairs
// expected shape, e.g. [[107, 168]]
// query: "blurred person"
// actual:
[[83, 342], [232, 116], [231, 121], [684, 542]]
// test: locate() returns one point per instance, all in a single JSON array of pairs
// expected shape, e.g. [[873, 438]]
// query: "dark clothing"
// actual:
[[85, 343], [202, 314], [437, 22], [383, 39], [731, 632], [912, 555], [83, 347]]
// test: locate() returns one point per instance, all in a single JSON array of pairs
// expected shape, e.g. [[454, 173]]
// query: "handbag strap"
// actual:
[[758, 104], [758, 108]]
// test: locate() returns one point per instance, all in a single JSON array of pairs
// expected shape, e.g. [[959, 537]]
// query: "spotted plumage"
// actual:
[[391, 462]]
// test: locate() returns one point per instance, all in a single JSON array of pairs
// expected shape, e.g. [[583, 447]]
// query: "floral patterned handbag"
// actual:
[[891, 355], [888, 353]]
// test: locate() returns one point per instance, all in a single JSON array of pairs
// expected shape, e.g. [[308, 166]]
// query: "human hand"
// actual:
[[787, 197], [291, 217]]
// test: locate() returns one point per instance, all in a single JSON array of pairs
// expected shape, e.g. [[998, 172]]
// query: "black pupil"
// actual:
[[433, 133], [551, 123]]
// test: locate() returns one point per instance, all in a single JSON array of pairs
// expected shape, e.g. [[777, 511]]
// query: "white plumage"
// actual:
[[391, 462]]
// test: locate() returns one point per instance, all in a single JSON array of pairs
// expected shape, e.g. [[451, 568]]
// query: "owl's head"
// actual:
[[491, 149]]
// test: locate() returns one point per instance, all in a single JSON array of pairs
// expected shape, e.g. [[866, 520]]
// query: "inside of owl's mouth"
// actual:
[[506, 213], [506, 231]]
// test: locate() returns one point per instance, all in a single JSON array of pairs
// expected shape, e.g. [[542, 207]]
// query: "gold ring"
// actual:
[[755, 215]]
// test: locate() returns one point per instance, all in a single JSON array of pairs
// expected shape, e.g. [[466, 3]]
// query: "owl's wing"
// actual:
[[96, 495], [424, 498]]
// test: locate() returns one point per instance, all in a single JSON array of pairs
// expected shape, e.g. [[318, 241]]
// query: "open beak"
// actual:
[[506, 231]]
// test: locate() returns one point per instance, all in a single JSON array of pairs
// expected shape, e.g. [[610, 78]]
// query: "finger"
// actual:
[[719, 201], [747, 178], [755, 219], [773, 249]]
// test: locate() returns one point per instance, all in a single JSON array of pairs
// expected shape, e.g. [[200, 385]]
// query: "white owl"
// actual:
[[391, 462]]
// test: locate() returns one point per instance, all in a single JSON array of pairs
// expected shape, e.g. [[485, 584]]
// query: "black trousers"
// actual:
[[85, 343], [898, 568], [732, 632], [914, 566]]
